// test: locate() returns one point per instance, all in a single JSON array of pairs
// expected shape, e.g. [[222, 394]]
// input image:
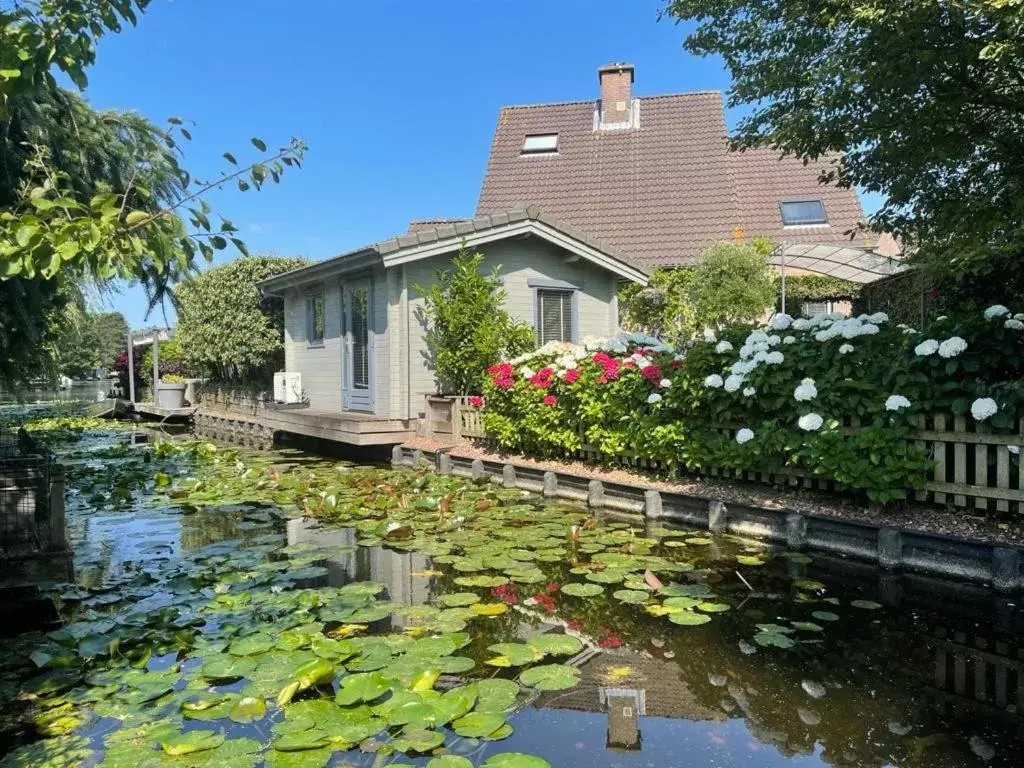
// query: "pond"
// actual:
[[280, 609]]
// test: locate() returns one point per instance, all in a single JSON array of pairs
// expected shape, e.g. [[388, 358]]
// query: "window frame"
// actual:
[[309, 300], [526, 151], [556, 286], [822, 222]]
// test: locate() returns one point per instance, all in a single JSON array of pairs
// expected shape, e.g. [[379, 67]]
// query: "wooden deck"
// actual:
[[152, 410], [351, 427]]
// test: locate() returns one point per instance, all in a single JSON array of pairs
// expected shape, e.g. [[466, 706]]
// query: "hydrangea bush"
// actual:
[[774, 398]]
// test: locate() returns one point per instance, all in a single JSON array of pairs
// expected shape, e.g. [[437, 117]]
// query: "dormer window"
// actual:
[[540, 144], [803, 213]]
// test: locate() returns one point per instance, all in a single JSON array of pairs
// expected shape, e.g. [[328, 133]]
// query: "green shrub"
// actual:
[[229, 333], [466, 327], [779, 397]]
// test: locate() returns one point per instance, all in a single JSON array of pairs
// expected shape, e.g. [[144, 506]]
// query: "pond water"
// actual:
[[237, 609]]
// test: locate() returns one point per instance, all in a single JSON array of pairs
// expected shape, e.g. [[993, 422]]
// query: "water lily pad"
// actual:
[[251, 645], [515, 760], [807, 626], [309, 758], [607, 576], [688, 618], [248, 710], [557, 645], [774, 639], [450, 761], [577, 589], [417, 740], [550, 677], [458, 599], [514, 654], [478, 724], [495, 695], [362, 686], [191, 742], [866, 605], [481, 581], [698, 541], [809, 584], [713, 607], [489, 609], [825, 616], [301, 741], [634, 596], [685, 590]]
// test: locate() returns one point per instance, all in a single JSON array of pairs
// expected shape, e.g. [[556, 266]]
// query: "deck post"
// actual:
[[444, 464], [131, 368], [717, 519], [508, 476], [156, 366], [595, 494], [652, 504], [397, 456], [58, 521], [550, 484]]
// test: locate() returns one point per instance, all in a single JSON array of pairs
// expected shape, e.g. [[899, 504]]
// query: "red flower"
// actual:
[[504, 382], [676, 363], [934, 293], [601, 358], [506, 593], [545, 601], [553, 586], [476, 402], [610, 639], [574, 624], [550, 400], [631, 363], [652, 373], [572, 376]]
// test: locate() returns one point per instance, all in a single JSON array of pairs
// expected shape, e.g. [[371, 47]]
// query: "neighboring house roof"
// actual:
[[661, 191], [428, 241]]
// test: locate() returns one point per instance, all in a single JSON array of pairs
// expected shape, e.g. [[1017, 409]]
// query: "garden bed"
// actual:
[[909, 516]]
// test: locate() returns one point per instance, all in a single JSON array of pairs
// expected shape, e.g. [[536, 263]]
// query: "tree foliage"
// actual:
[[467, 329], [924, 100], [87, 340], [227, 331], [731, 283]]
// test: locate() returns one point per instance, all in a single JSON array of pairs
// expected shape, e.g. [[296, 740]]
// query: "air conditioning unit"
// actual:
[[287, 387]]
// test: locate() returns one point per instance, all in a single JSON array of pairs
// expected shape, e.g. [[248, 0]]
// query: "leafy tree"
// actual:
[[110, 330], [920, 100], [732, 283], [467, 329], [227, 331]]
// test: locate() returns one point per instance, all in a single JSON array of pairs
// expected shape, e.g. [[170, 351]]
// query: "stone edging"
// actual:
[[890, 548]]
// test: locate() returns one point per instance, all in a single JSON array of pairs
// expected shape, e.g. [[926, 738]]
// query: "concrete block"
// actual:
[[717, 516], [595, 494], [477, 471], [1005, 569], [796, 531], [508, 476], [417, 459], [444, 464], [397, 456], [652, 504], [550, 484], [890, 549]]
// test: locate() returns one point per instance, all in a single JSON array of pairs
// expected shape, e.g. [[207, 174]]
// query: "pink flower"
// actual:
[[504, 382], [476, 401], [550, 400], [651, 372], [572, 376], [574, 624]]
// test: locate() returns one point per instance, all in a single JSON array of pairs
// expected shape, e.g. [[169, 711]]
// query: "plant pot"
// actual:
[[171, 395]]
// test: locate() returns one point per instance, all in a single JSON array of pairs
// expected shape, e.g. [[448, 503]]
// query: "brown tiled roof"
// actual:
[[660, 193]]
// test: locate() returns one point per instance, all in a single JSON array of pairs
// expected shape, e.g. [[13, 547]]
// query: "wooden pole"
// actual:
[[131, 368], [156, 365]]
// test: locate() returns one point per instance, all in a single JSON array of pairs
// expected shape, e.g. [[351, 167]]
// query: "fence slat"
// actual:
[[940, 458], [959, 460], [981, 468], [1002, 475]]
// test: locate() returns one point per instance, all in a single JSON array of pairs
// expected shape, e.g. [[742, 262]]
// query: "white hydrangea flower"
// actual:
[[774, 358], [926, 347], [714, 381], [940, 318], [746, 351], [744, 435], [846, 349], [789, 340], [1014, 324], [810, 422], [757, 336], [952, 347], [1019, 316], [774, 340], [996, 310], [742, 367], [526, 372], [781, 322], [878, 318], [984, 407], [910, 331], [761, 346], [722, 347], [733, 383], [869, 329], [749, 392], [801, 323], [808, 381], [761, 356], [806, 391], [896, 402], [653, 398], [665, 383], [836, 316]]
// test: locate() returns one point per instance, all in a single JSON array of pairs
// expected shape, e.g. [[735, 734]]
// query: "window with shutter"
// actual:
[[315, 319], [554, 316]]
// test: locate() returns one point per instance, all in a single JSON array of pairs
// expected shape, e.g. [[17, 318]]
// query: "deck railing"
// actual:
[[974, 467]]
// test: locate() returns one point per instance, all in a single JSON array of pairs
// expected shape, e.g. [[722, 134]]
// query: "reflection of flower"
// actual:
[[609, 639], [544, 601], [553, 586], [506, 593], [575, 625]]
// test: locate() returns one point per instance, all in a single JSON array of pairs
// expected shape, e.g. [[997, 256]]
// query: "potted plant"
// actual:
[[171, 391]]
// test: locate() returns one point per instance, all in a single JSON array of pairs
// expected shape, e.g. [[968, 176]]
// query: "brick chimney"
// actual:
[[616, 92]]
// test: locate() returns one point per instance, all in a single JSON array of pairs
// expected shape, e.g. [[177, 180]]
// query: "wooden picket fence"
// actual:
[[974, 468]]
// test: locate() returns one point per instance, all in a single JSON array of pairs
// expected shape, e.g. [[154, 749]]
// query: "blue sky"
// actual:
[[397, 101]]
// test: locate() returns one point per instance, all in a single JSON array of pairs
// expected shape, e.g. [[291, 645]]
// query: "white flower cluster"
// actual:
[[654, 397], [806, 391], [952, 347], [846, 349], [714, 381], [926, 348], [722, 347], [996, 310], [744, 435], [1014, 324], [984, 407], [810, 422], [896, 403]]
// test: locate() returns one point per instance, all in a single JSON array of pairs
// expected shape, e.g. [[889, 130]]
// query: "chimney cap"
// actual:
[[616, 67]]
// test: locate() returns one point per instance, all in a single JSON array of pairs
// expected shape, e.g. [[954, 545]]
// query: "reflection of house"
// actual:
[[628, 686], [354, 563]]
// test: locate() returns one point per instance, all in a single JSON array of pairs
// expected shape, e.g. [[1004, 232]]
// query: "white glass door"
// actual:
[[357, 357]]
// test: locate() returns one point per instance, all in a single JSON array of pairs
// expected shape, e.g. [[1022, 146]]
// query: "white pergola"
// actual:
[[152, 335], [855, 264]]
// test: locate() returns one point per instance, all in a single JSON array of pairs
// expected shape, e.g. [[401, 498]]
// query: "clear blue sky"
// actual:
[[397, 100]]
